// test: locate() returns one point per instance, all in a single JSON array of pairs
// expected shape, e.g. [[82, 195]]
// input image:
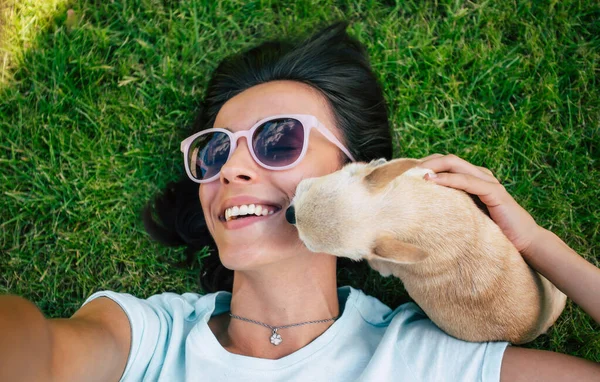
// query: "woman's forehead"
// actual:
[[271, 98]]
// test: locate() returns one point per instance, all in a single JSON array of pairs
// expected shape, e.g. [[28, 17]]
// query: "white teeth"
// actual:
[[244, 209]]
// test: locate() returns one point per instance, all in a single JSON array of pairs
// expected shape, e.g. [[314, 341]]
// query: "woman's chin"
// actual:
[[246, 259]]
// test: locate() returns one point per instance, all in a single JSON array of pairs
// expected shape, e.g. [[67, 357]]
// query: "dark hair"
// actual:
[[330, 61]]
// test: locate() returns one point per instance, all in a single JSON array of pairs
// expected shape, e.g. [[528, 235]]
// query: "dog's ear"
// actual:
[[382, 175], [388, 248]]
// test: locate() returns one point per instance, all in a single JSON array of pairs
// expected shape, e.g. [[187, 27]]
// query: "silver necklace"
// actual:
[[275, 337]]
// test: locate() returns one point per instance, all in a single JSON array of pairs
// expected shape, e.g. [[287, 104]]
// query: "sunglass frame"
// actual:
[[307, 122]]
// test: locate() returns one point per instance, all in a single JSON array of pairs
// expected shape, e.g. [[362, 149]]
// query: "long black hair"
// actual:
[[330, 61]]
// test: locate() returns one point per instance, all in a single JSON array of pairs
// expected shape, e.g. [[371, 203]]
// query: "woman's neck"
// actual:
[[297, 290]]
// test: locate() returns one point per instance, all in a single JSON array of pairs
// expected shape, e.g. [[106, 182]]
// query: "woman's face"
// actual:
[[271, 238]]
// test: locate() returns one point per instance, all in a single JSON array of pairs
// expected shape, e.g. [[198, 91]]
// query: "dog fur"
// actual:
[[453, 260]]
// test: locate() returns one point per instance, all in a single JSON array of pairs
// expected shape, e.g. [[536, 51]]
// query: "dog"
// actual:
[[453, 260]]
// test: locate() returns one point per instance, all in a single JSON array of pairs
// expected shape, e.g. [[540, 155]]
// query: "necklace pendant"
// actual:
[[275, 338]]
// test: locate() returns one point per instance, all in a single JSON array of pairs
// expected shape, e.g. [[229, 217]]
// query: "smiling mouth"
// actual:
[[241, 217]]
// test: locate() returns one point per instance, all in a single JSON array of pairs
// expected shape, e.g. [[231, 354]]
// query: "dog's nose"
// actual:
[[290, 215]]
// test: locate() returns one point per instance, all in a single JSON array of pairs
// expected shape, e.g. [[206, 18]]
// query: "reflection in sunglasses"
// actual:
[[273, 132], [194, 165], [218, 145], [215, 151]]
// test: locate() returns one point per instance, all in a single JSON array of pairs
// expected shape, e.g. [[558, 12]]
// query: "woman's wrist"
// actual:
[[541, 235]]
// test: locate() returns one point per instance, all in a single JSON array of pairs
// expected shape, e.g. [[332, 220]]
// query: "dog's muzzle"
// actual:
[[290, 215]]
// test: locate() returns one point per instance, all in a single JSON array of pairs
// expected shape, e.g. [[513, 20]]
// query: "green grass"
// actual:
[[92, 112]]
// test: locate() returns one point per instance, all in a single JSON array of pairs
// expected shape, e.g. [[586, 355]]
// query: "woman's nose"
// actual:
[[240, 167]]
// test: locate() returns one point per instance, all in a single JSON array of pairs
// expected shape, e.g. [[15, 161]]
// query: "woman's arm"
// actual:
[[530, 365], [25, 341], [93, 345], [563, 267]]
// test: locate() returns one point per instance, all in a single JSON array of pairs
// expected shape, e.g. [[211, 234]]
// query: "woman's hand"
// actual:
[[516, 223]]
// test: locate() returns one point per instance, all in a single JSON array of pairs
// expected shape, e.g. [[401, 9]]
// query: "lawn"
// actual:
[[94, 103]]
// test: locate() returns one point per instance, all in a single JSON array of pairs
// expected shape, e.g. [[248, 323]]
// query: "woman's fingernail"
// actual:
[[430, 176]]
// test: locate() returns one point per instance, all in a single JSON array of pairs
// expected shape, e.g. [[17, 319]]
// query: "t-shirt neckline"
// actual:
[[203, 340]]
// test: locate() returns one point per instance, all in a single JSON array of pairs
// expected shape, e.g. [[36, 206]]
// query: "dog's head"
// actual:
[[340, 213]]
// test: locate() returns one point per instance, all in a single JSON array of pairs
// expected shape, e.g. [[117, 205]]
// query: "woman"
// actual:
[[285, 318]]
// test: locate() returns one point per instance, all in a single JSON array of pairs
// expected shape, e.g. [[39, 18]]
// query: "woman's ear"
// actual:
[[390, 249]]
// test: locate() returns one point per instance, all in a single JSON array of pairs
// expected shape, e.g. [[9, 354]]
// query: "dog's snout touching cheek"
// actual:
[[290, 215]]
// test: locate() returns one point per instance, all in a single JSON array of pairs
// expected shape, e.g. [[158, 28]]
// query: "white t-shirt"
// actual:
[[171, 341]]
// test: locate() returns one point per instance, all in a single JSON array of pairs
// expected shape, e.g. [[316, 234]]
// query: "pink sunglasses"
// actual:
[[278, 142]]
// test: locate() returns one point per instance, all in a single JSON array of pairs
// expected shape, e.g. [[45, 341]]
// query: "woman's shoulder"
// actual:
[[189, 305], [413, 339], [407, 325], [376, 313], [408, 322]]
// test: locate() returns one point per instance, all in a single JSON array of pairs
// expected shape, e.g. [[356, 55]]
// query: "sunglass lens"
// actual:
[[208, 153], [279, 142]]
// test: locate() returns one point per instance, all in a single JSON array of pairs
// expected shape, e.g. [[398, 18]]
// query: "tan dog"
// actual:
[[453, 260]]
